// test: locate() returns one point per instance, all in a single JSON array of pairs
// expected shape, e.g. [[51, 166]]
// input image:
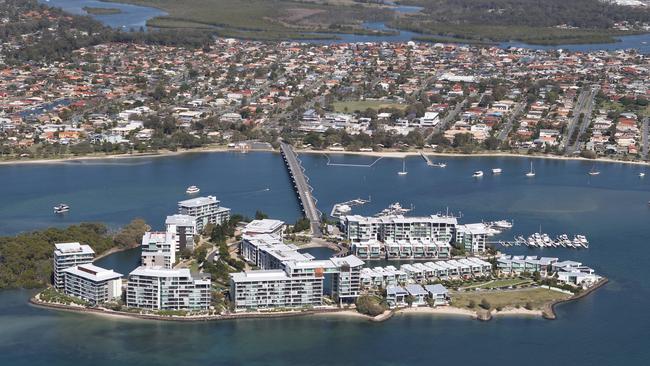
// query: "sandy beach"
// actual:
[[440, 310], [377, 154]]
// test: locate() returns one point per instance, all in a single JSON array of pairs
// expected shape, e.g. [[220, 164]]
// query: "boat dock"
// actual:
[[431, 163], [344, 208], [541, 240], [303, 189]]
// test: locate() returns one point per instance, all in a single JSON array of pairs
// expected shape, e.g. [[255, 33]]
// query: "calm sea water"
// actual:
[[131, 17], [611, 326]]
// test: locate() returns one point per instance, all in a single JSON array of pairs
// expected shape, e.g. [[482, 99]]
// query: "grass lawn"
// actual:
[[537, 297], [504, 283], [362, 105]]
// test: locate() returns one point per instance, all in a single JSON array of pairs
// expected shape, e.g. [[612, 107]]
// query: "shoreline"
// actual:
[[546, 312], [377, 154], [113, 251]]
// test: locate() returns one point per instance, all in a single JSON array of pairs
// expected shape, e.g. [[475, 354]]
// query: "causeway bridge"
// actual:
[[302, 187]]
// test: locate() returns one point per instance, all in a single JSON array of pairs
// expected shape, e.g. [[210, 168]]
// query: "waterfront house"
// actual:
[[418, 293], [396, 296], [438, 294]]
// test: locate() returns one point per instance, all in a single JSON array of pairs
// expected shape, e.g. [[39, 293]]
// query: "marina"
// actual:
[[542, 240]]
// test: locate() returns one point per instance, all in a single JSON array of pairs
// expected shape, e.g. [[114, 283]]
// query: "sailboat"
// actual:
[[531, 173], [403, 172], [593, 171]]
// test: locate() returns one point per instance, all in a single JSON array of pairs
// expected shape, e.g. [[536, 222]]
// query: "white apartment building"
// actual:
[[158, 288], [270, 252], [264, 227], [398, 228], [206, 210], [159, 249], [472, 237], [298, 284], [266, 289], [91, 283], [69, 255], [184, 226]]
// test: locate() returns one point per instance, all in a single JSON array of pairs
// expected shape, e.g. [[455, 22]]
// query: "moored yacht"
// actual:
[[593, 171], [403, 172], [531, 173], [496, 171]]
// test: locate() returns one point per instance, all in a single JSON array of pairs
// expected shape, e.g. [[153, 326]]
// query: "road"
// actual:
[[644, 138], [577, 109], [587, 110], [303, 189], [442, 125], [503, 134]]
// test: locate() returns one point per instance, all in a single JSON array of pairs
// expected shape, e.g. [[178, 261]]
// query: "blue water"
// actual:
[[609, 327], [115, 191], [132, 17]]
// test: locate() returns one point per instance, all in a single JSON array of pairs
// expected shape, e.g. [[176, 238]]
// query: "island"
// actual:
[[210, 265], [101, 11]]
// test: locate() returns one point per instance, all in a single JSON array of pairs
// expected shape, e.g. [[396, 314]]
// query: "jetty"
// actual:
[[302, 187]]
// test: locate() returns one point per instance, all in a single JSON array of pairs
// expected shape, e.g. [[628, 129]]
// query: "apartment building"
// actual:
[[158, 288], [270, 252], [264, 227], [400, 237], [472, 237], [398, 228], [297, 284], [274, 289], [68, 255], [92, 283], [159, 249], [205, 210], [184, 226]]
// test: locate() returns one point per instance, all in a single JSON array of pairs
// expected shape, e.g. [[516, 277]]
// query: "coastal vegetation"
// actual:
[[259, 19], [547, 22], [529, 298], [371, 305], [26, 259]]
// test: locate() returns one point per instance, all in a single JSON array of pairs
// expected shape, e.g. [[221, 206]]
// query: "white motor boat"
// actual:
[[477, 174], [496, 171], [61, 208], [192, 190]]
